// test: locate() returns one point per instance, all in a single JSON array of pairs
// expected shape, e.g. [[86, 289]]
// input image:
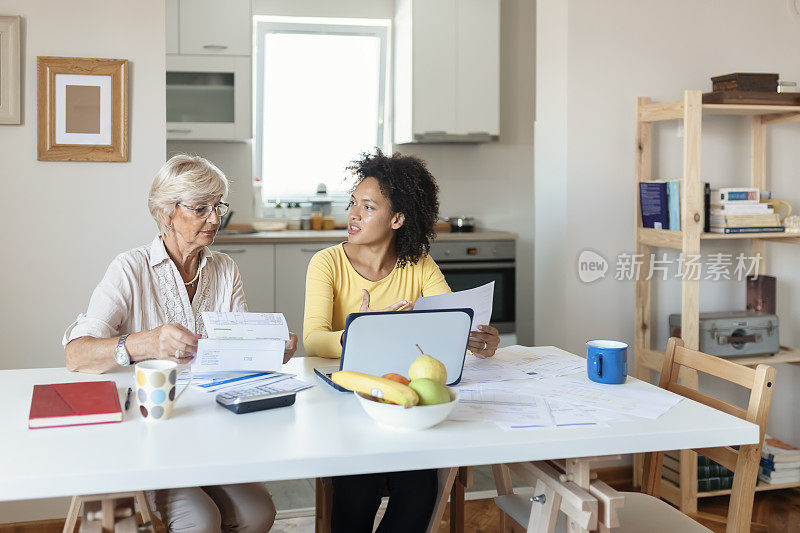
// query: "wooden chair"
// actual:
[[324, 501], [645, 511], [645, 508], [110, 512]]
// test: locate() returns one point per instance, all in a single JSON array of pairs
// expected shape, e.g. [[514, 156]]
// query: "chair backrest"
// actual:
[[744, 462]]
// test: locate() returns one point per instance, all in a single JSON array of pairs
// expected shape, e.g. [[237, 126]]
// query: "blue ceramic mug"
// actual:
[[607, 361]]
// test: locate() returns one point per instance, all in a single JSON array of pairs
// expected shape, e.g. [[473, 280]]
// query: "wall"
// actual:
[[600, 57], [66, 221], [493, 182]]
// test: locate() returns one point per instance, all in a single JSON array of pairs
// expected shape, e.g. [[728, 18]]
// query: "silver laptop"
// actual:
[[383, 342]]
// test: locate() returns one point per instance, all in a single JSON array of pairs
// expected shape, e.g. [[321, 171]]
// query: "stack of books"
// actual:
[[740, 210], [710, 474], [780, 462]]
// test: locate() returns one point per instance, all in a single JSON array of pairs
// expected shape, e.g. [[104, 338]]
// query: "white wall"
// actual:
[[603, 55], [64, 221], [493, 182]]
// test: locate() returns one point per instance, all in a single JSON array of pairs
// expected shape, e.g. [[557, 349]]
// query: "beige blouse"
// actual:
[[142, 289]]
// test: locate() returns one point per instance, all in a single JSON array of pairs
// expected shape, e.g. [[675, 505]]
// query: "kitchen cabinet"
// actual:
[[213, 27], [256, 264], [208, 98], [447, 70], [172, 26], [291, 264]]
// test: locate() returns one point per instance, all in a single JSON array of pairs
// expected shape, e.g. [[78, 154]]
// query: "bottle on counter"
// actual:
[[258, 202], [316, 220]]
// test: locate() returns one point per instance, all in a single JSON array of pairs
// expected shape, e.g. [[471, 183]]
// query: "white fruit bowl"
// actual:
[[412, 419]]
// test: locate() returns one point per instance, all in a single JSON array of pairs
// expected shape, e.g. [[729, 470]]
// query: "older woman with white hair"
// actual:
[[149, 305]]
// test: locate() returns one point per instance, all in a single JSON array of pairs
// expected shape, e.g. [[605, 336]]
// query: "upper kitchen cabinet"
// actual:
[[208, 98], [447, 71], [209, 27]]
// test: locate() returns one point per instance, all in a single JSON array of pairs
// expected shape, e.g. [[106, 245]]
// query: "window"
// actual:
[[320, 100]]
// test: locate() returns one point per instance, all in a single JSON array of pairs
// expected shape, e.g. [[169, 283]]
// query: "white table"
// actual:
[[325, 433]]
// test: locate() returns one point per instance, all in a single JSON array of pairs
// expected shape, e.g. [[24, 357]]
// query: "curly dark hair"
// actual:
[[411, 189]]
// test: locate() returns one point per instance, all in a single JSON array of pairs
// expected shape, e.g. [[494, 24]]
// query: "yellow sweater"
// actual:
[[333, 291]]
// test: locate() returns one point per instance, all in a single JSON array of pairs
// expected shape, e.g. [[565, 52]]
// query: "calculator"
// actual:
[[257, 398]]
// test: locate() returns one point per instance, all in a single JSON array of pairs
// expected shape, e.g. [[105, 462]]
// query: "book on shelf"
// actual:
[[653, 204], [706, 206], [710, 474], [714, 483], [778, 451], [674, 204], [671, 475], [738, 195], [772, 477], [763, 208], [672, 461], [762, 229], [779, 467], [744, 221], [712, 470]]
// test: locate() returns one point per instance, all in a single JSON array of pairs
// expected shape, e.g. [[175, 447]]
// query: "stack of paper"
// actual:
[[241, 342], [527, 388], [232, 381], [519, 362]]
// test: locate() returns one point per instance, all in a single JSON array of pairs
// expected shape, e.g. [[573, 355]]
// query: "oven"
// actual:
[[470, 263]]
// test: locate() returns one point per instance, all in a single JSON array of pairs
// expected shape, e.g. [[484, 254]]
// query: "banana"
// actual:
[[381, 388]]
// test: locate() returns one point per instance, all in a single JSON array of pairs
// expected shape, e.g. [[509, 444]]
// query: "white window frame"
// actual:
[[262, 25]]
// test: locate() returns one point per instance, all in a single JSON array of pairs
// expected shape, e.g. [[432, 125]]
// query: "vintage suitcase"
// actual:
[[746, 81], [732, 333]]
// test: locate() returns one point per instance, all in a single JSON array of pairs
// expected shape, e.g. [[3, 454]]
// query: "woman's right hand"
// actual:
[[402, 304], [171, 342]]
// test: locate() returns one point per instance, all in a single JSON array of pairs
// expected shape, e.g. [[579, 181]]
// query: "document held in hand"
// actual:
[[479, 299], [240, 342]]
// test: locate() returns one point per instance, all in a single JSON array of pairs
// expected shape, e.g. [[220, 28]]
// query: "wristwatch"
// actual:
[[121, 355]]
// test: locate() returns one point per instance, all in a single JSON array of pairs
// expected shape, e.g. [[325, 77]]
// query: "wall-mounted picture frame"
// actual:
[[82, 108], [9, 70]]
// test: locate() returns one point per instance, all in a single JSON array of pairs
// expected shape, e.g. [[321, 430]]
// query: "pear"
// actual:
[[429, 367], [429, 391]]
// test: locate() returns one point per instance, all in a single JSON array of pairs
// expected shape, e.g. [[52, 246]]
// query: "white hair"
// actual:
[[184, 178]]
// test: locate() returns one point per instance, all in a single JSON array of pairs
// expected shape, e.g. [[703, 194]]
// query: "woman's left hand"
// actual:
[[487, 345], [291, 347]]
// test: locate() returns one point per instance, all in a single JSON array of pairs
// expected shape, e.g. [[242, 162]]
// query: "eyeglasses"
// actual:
[[204, 211]]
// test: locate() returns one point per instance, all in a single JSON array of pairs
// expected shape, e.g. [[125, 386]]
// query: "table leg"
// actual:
[[72, 515], [457, 506], [544, 512], [578, 472], [108, 509]]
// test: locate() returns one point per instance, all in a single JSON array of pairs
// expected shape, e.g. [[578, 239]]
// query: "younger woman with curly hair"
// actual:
[[384, 265]]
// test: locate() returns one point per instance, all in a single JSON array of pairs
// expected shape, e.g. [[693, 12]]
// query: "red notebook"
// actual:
[[74, 404]]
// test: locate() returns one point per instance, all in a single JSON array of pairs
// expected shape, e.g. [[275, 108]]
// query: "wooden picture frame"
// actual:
[[92, 125], [9, 70]]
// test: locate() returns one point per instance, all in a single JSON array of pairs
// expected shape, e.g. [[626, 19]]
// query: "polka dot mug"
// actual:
[[156, 389]]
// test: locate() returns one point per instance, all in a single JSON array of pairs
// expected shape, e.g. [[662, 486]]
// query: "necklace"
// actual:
[[193, 279]]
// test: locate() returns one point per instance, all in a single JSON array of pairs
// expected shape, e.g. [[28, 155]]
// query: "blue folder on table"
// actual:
[[383, 342]]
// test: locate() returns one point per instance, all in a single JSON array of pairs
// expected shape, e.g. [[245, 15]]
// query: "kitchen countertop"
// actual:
[[336, 236]]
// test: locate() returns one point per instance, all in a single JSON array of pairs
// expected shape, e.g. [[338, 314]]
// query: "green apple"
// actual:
[[430, 392]]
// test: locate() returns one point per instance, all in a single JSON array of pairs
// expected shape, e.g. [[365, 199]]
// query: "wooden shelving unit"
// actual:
[[688, 240]]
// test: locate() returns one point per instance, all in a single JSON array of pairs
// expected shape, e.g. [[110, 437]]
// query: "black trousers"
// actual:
[[356, 499]]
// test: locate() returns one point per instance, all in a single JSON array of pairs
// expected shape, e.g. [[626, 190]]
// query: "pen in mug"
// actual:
[[128, 399]]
